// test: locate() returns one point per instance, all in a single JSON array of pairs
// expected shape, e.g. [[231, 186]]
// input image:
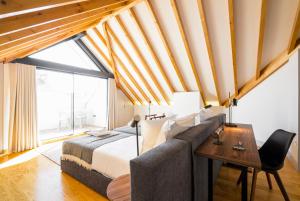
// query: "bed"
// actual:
[[85, 158], [128, 129]]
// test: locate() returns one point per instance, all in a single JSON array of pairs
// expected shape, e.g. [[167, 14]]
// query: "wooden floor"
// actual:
[[31, 176], [39, 179], [226, 189]]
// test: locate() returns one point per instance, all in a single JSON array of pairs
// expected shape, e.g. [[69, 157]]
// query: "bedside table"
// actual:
[[119, 189]]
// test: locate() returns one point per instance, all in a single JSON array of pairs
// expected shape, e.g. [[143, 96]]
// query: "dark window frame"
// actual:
[[53, 66]]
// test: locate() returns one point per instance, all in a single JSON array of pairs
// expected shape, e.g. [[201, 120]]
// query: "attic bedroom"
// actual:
[[149, 100]]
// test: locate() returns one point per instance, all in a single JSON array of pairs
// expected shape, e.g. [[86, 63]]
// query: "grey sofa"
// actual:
[[172, 171]]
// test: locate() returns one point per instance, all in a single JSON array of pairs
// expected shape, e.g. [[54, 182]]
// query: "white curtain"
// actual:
[[1, 108], [112, 93], [20, 107]]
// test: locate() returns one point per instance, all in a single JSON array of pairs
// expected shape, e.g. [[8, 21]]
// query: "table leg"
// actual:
[[244, 183], [210, 179]]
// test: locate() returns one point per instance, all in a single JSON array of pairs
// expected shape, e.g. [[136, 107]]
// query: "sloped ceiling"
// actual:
[[31, 25], [157, 47], [216, 47]]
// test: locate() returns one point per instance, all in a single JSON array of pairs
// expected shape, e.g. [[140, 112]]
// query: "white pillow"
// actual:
[[205, 114], [176, 129], [150, 130], [165, 129], [186, 121], [169, 130]]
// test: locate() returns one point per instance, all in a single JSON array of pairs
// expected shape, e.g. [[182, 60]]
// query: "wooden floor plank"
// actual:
[[31, 176]]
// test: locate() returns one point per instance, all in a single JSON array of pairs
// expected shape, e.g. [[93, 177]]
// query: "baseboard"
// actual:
[[293, 161]]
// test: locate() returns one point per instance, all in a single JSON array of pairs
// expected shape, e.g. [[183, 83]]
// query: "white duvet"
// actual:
[[112, 159]]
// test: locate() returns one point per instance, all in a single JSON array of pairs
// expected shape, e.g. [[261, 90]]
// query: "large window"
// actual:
[[68, 53], [69, 104]]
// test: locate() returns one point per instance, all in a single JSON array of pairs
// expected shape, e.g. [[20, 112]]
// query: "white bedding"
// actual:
[[112, 159]]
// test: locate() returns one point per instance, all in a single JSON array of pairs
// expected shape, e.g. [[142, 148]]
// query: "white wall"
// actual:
[[183, 103], [124, 110], [143, 110], [273, 104]]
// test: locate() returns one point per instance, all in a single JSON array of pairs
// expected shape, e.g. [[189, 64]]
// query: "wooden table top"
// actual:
[[119, 189], [231, 136]]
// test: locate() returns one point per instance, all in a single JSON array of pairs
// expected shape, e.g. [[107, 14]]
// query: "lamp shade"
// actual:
[[135, 120]]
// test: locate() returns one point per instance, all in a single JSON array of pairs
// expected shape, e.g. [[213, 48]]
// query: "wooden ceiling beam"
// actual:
[[5, 49], [267, 71], [47, 43], [131, 62], [187, 48], [150, 48], [127, 85], [128, 57], [233, 47], [11, 8], [110, 50], [43, 29], [119, 11], [25, 21], [166, 45], [143, 60], [131, 78], [126, 94], [122, 65], [209, 49], [262, 20], [108, 61], [295, 30], [99, 50], [37, 42]]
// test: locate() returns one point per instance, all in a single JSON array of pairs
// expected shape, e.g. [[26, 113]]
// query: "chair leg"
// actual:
[[269, 181], [239, 180], [252, 195], [280, 184]]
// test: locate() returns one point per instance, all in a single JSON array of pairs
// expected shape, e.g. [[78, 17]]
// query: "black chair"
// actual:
[[272, 155]]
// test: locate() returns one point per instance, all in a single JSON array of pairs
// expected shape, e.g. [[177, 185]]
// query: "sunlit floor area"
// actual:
[[32, 176], [55, 133]]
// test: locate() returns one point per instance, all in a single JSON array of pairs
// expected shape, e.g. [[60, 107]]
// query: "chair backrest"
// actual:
[[276, 147]]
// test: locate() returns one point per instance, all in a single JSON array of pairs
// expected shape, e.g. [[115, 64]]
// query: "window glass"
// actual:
[[90, 102], [68, 53], [70, 104]]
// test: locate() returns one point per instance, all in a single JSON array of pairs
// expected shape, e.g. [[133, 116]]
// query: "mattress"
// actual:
[[112, 159], [80, 150]]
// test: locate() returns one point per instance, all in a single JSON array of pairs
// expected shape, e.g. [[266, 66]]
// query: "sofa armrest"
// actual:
[[163, 173]]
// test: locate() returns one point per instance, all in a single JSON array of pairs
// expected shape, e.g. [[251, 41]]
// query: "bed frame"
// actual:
[[90, 178]]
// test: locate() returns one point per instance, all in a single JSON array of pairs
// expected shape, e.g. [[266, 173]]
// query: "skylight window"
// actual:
[[68, 53]]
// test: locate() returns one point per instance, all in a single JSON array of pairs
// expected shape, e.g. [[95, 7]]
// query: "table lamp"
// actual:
[[231, 102]]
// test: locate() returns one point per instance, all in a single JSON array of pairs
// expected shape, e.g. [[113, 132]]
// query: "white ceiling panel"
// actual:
[[194, 32], [280, 17], [217, 17], [246, 24]]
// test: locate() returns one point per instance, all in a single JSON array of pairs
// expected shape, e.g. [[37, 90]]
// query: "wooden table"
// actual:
[[243, 159], [119, 189]]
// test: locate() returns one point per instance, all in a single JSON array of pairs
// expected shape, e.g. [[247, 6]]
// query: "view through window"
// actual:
[[69, 103], [68, 53]]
